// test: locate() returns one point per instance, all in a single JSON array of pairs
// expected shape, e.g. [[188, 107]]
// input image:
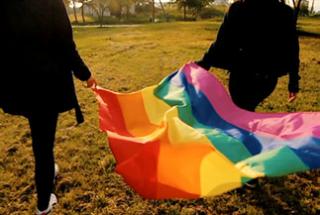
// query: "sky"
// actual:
[[317, 5]]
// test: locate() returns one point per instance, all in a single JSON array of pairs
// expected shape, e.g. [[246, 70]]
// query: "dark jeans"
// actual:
[[249, 90], [43, 129]]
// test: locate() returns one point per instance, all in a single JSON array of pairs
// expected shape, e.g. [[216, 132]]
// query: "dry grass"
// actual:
[[129, 59]]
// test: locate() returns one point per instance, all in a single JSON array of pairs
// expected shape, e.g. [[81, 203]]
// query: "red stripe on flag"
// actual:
[[137, 163], [110, 113]]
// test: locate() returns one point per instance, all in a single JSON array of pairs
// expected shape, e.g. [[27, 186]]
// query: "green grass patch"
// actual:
[[125, 60]]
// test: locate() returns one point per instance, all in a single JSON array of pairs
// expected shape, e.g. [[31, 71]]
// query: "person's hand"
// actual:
[[91, 82], [292, 97]]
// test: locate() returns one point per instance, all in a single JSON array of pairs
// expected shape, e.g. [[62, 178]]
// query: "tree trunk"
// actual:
[[101, 16], [100, 20], [128, 11], [164, 11], [153, 11], [297, 10], [82, 14], [184, 12], [120, 15], [75, 12], [312, 8]]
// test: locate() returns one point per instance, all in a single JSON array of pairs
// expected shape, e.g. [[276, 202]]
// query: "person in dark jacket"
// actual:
[[39, 58], [257, 43]]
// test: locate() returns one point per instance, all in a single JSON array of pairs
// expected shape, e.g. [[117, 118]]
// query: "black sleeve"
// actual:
[[216, 56], [293, 53], [63, 38]]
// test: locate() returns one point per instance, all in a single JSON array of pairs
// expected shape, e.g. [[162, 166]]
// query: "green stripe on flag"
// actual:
[[275, 163], [174, 95]]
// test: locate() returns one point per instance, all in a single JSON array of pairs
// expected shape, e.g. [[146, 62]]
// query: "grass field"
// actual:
[[125, 60]]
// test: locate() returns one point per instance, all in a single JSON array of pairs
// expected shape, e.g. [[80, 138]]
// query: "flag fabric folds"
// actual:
[[184, 138]]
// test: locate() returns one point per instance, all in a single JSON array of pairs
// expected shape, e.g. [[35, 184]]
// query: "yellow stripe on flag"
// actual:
[[155, 108], [218, 175]]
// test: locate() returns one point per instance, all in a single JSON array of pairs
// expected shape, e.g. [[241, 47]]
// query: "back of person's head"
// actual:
[[262, 5], [262, 1]]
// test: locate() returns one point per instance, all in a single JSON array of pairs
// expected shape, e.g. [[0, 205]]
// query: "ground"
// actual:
[[125, 60]]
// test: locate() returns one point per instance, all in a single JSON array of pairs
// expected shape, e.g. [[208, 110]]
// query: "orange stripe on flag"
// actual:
[[135, 116], [179, 168]]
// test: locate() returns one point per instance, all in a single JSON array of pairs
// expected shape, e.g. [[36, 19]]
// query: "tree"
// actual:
[[74, 11], [183, 4], [83, 4], [125, 6], [297, 7], [121, 7], [164, 11], [304, 11], [76, 4], [312, 8], [129, 5], [147, 7], [195, 6], [100, 7], [153, 11], [297, 4]]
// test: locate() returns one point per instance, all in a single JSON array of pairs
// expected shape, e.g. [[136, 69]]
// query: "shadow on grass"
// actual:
[[308, 34], [278, 196]]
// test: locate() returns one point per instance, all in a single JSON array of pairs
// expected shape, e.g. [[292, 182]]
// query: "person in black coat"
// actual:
[[257, 43], [39, 58]]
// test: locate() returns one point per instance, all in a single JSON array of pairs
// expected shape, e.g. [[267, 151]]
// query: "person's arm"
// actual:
[[64, 42], [294, 70], [216, 56], [294, 60]]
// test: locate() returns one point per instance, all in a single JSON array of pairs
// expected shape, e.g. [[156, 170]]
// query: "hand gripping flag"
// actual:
[[184, 138]]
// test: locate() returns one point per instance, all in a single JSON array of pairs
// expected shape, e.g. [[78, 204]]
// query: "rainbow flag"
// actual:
[[184, 138]]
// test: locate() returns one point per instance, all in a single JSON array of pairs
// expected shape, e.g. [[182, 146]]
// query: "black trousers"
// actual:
[[43, 129], [248, 90]]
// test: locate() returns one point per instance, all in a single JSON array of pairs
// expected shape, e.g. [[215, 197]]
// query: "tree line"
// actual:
[[118, 8], [121, 8]]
